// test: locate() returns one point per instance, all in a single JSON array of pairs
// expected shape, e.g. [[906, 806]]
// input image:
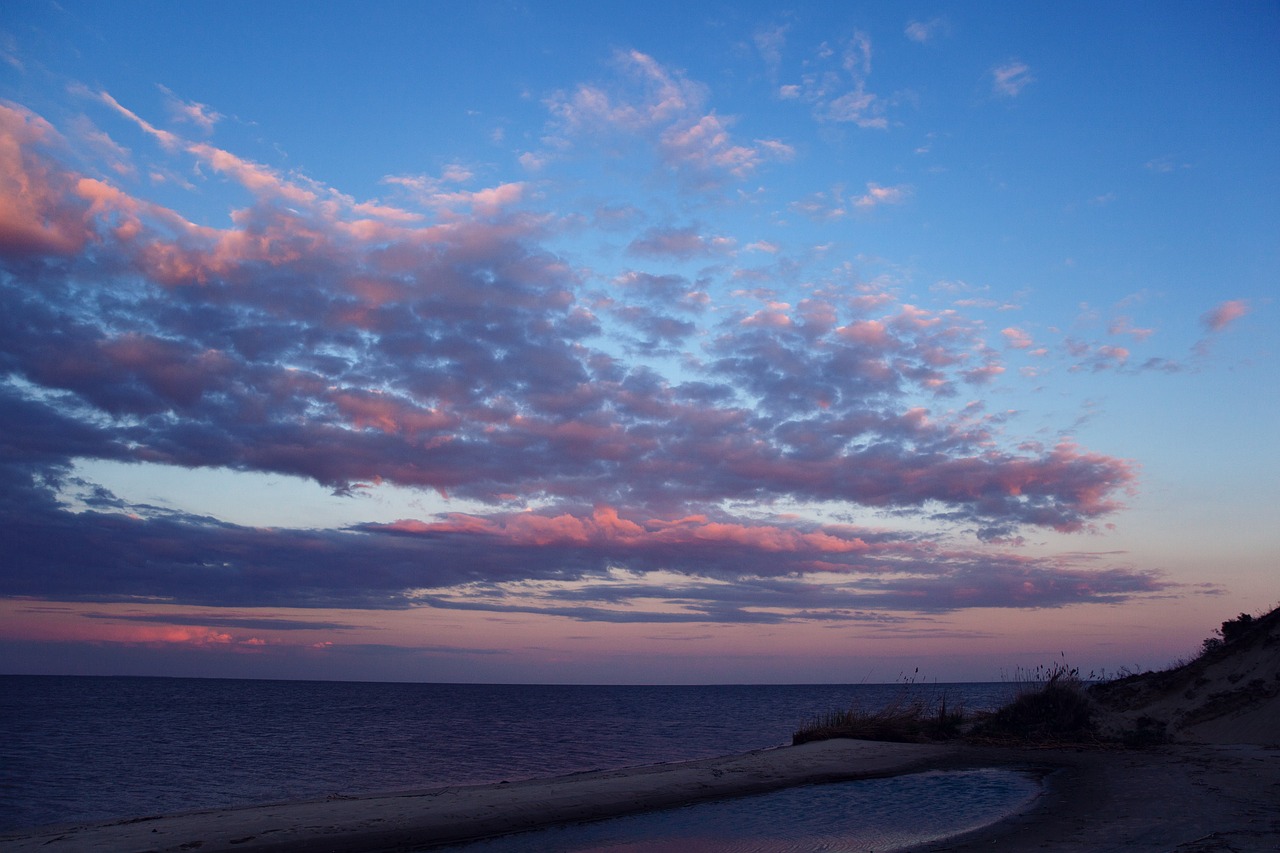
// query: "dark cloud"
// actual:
[[252, 623], [683, 243]]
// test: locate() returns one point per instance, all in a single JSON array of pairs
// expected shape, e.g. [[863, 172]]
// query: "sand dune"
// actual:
[[1231, 694]]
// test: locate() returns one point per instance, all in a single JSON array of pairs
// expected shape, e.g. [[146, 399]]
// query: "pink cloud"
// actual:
[[870, 332], [1124, 326], [486, 202], [1016, 338], [877, 195], [704, 146], [36, 212], [1224, 314], [606, 527], [255, 177], [667, 110]]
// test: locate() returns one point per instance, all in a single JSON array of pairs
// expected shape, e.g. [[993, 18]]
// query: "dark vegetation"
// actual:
[[1053, 706], [1231, 630], [905, 720]]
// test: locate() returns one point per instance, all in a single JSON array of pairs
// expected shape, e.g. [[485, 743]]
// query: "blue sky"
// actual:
[[683, 342]]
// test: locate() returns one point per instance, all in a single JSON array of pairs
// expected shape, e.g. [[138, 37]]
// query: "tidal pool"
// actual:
[[865, 815]]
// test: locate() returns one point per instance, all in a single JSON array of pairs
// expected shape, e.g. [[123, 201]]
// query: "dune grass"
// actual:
[[904, 720], [1051, 707]]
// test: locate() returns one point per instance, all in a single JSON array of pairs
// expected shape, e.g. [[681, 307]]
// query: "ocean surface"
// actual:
[[76, 749]]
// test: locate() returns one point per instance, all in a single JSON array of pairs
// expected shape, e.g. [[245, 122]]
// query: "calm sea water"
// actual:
[[78, 749], [899, 813]]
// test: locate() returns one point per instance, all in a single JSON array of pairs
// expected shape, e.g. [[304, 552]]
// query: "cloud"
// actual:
[[1016, 338], [1165, 165], [770, 41], [593, 565], [821, 205], [1216, 320], [1224, 314], [669, 112], [191, 112], [1011, 78], [9, 53], [923, 32], [877, 195], [453, 349], [253, 623], [1124, 326], [1096, 357], [837, 85], [680, 243]]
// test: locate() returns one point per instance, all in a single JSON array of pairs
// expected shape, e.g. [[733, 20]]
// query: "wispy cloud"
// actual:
[[682, 243], [838, 85], [770, 41], [877, 195], [923, 32], [199, 115], [664, 107], [1011, 78]]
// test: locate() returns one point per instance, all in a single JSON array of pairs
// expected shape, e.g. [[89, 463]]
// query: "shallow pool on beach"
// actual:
[[864, 815]]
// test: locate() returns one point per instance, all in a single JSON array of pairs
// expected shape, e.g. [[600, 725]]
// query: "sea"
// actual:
[[75, 749]]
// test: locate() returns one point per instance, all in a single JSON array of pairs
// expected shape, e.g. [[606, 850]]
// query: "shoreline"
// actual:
[[1179, 798], [418, 819], [1186, 798]]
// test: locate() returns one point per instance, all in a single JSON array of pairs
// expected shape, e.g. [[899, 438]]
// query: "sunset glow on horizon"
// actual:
[[691, 344]]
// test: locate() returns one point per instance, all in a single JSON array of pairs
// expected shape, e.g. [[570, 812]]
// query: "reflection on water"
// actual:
[[866, 815]]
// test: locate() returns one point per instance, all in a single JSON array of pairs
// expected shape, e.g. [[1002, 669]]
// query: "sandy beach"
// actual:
[[1183, 798], [415, 819], [1190, 798]]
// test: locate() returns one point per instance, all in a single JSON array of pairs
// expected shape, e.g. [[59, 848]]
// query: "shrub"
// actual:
[[1051, 706], [1231, 630], [901, 721]]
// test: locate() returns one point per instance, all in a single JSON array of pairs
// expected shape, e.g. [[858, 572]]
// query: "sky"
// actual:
[[635, 343]]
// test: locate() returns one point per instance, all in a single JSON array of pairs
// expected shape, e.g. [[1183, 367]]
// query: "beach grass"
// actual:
[[904, 720], [1051, 706]]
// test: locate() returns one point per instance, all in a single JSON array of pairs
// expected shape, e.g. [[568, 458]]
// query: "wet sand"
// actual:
[[414, 820], [1184, 798]]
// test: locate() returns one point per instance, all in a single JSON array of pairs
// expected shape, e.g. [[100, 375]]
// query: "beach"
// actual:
[[415, 819], [1189, 798], [1185, 797]]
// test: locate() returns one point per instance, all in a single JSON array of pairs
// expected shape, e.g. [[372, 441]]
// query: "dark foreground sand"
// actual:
[[1185, 798], [1189, 798]]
